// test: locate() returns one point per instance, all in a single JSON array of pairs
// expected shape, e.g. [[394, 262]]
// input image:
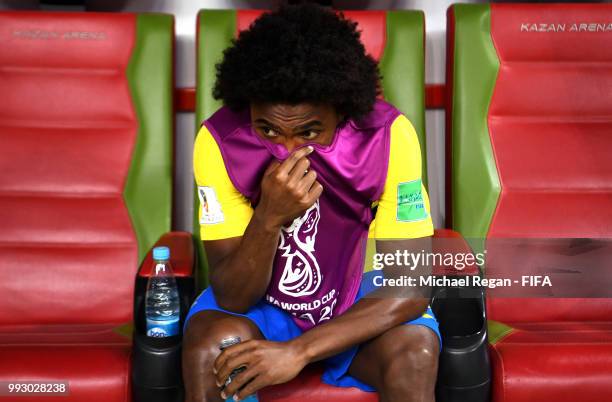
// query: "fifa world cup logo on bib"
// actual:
[[301, 274]]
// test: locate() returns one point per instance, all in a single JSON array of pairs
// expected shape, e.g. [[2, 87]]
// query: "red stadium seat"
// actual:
[[86, 134], [528, 131]]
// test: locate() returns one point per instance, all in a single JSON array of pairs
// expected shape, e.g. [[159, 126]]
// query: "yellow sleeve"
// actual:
[[403, 208], [223, 211]]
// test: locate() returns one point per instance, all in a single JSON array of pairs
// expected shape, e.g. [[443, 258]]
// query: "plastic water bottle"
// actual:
[[162, 308], [226, 343]]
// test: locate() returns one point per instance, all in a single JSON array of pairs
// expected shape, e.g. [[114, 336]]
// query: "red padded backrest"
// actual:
[[68, 252], [550, 124], [372, 25], [550, 120]]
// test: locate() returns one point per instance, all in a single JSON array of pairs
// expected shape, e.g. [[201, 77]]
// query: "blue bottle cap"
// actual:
[[161, 253]]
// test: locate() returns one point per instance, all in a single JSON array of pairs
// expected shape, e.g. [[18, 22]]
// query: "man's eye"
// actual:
[[310, 135], [268, 132]]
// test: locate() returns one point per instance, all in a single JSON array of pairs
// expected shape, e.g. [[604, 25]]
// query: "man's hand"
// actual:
[[288, 189], [241, 267], [267, 363]]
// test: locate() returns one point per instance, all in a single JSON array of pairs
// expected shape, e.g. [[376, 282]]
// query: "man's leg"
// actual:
[[401, 364], [204, 332]]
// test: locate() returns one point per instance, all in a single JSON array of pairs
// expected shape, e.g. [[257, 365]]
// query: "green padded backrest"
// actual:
[[403, 69], [472, 74], [150, 73]]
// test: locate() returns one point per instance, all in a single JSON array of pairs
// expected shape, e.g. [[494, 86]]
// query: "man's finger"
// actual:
[[298, 171], [223, 356], [290, 162], [307, 181], [234, 362], [258, 383], [230, 352], [240, 380], [315, 192], [271, 167]]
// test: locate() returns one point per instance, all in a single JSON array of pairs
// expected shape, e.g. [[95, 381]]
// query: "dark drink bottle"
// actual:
[[226, 343]]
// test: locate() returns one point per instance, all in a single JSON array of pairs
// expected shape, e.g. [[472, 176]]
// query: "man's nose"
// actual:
[[291, 144]]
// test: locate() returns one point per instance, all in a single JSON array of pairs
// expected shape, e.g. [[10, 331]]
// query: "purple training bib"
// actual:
[[319, 262]]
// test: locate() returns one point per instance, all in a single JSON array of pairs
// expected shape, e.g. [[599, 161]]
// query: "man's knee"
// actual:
[[206, 329], [201, 340], [411, 352]]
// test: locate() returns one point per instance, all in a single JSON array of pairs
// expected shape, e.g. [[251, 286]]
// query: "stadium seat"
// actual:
[[528, 123], [396, 40], [86, 134]]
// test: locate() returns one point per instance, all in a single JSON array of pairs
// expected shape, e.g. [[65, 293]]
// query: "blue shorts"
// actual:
[[278, 325]]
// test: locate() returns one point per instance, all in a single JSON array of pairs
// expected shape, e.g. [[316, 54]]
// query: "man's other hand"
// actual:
[[266, 363]]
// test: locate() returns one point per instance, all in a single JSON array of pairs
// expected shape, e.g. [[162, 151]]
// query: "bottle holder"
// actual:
[[156, 362], [464, 373]]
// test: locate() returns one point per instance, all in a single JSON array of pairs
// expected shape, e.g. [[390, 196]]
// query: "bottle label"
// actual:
[[162, 328], [160, 267]]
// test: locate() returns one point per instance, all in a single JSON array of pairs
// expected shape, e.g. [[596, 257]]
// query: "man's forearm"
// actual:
[[241, 276], [240, 280], [365, 320], [381, 310]]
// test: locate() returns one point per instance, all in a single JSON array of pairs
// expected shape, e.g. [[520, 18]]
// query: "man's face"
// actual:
[[295, 125]]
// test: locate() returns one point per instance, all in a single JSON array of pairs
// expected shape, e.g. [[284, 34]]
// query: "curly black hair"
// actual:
[[300, 53]]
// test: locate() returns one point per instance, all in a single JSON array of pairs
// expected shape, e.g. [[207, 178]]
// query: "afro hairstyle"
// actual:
[[298, 54]]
